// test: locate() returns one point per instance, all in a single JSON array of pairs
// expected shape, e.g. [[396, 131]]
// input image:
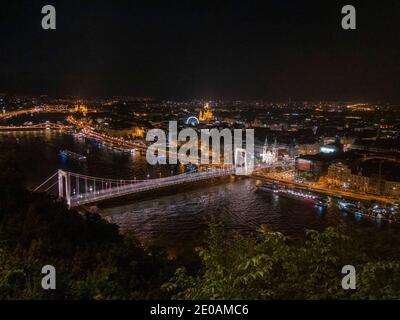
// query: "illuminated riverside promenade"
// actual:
[[318, 188], [90, 133]]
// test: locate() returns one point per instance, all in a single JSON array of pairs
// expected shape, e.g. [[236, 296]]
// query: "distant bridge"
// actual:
[[19, 112], [41, 109], [39, 126]]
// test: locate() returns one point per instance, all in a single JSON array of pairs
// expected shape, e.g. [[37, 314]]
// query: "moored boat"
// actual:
[[72, 155], [269, 187], [321, 203]]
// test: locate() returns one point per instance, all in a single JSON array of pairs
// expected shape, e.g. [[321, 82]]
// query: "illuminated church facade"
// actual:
[[269, 154]]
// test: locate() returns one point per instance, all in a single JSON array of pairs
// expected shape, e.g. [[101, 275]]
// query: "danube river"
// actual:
[[175, 218]]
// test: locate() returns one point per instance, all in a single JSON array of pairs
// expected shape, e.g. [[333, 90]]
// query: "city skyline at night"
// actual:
[[200, 157]]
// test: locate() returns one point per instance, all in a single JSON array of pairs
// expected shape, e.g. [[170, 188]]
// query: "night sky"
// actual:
[[189, 49]]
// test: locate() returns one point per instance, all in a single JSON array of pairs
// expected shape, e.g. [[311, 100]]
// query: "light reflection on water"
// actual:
[[173, 220]]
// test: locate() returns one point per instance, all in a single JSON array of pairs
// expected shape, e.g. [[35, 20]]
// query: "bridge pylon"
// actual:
[[64, 186], [244, 162]]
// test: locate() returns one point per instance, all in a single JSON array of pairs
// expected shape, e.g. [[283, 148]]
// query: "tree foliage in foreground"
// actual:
[[92, 259], [272, 266]]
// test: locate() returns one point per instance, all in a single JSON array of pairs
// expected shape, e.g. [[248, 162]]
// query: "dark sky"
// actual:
[[218, 49]]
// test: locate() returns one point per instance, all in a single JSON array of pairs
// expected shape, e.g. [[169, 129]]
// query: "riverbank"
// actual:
[[332, 193]]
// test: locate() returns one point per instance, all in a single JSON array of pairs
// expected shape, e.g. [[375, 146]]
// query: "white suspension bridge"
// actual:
[[77, 189]]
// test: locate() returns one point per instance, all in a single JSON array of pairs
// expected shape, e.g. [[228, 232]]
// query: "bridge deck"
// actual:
[[116, 192]]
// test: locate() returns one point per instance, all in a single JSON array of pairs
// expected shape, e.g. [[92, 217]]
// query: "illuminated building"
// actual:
[[293, 150], [360, 107], [309, 149], [206, 113], [347, 143], [81, 109], [311, 167], [343, 176], [330, 148], [269, 155], [340, 175], [138, 132]]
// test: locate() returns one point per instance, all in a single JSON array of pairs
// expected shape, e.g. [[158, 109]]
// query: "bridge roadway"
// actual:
[[152, 184], [43, 109], [19, 112], [39, 126]]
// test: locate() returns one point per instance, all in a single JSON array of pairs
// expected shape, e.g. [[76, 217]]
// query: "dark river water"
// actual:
[[175, 218]]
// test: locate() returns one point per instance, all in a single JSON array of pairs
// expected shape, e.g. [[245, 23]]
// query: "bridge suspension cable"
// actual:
[[41, 185], [52, 186], [99, 179]]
